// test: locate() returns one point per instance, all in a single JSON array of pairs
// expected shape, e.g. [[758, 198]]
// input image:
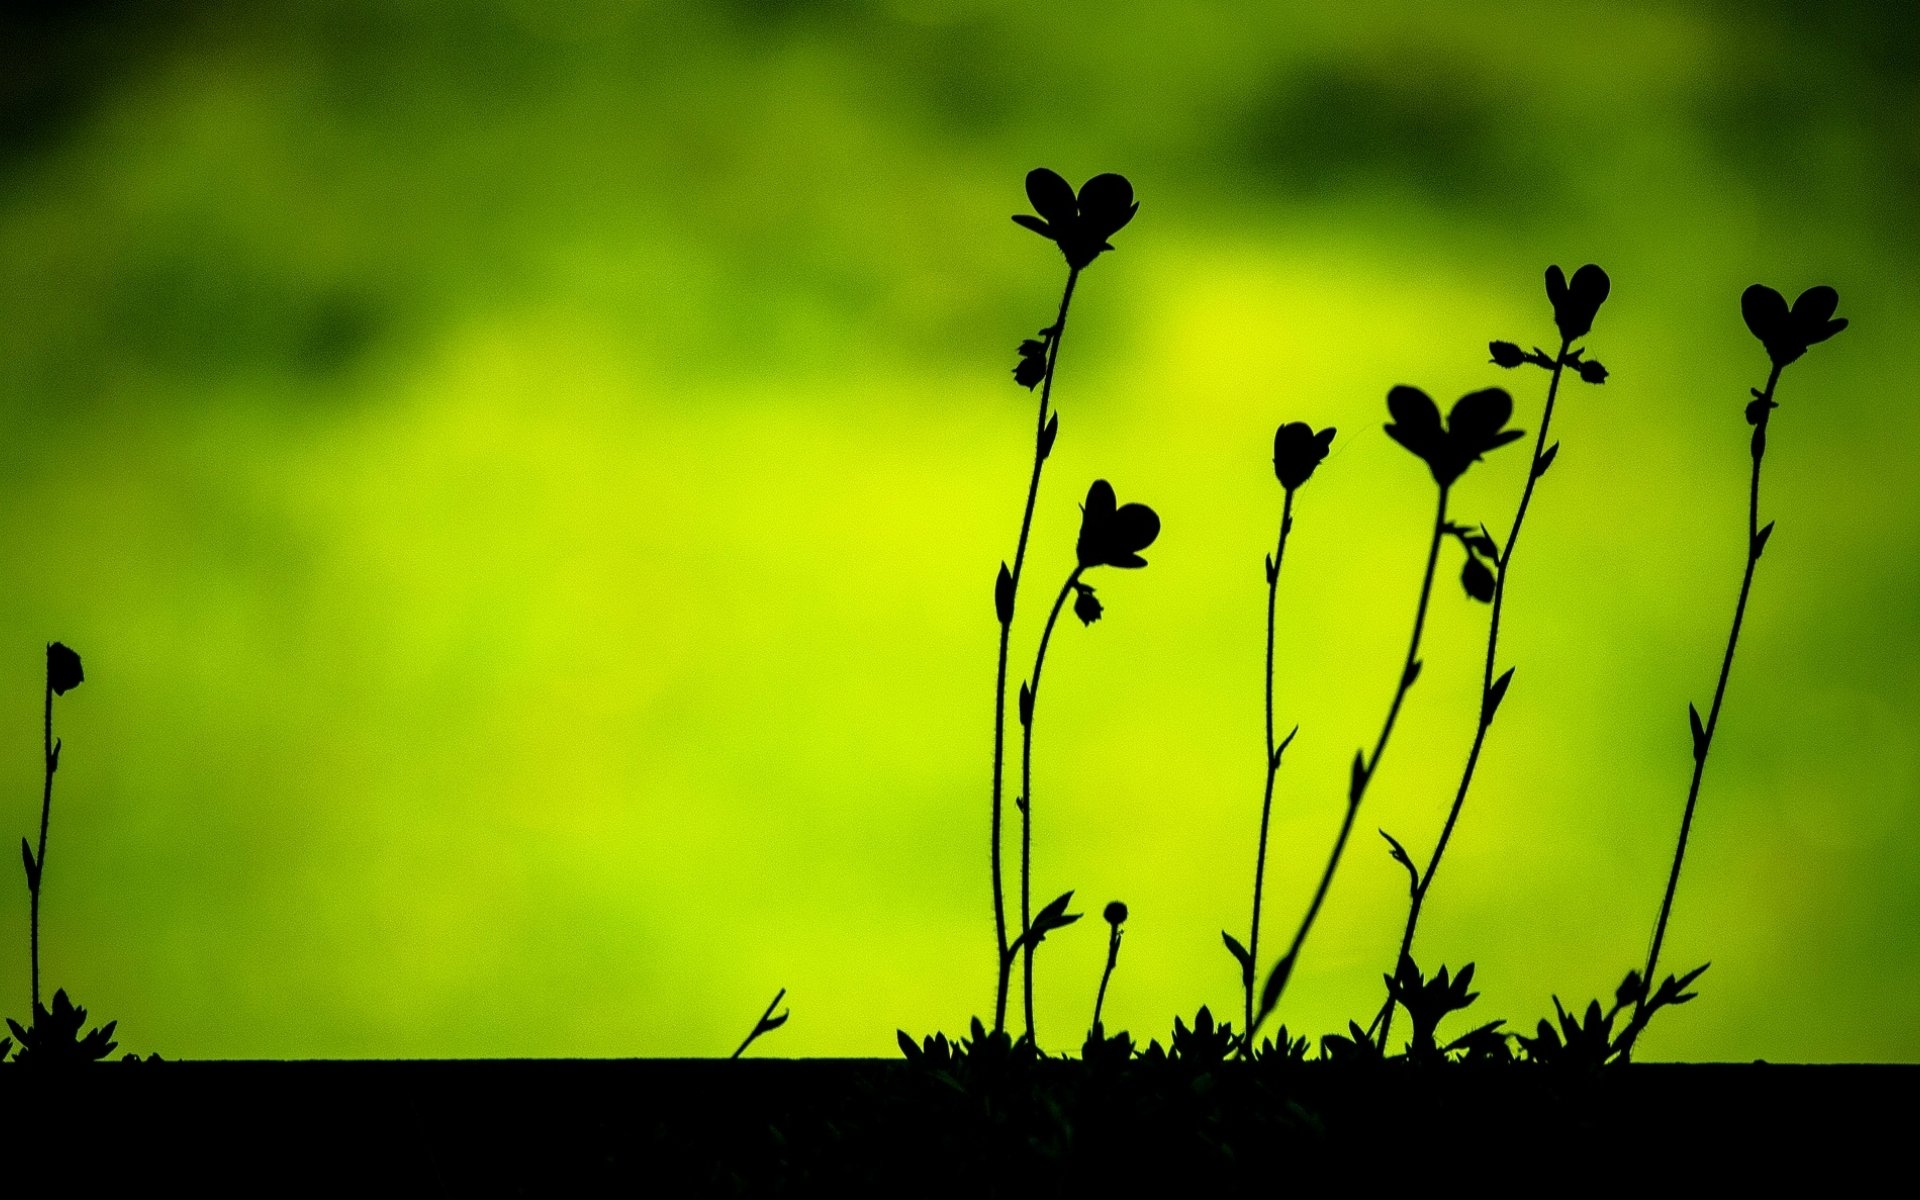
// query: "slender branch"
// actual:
[[1273, 769], [1364, 768], [1705, 740], [1026, 797], [40, 859], [1003, 959], [1486, 683]]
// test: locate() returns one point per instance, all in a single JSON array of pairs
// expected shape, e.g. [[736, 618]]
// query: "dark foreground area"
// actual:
[[770, 1126]]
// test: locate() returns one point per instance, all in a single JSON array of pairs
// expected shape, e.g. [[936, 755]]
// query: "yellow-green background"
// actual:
[[526, 480]]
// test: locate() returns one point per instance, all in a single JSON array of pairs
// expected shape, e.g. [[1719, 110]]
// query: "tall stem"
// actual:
[[1026, 799], [40, 859], [1003, 961], [1765, 409], [1273, 769], [1364, 769], [1486, 683]]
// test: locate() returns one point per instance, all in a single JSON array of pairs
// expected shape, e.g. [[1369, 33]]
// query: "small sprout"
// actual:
[[1591, 371], [1297, 450], [769, 1022]]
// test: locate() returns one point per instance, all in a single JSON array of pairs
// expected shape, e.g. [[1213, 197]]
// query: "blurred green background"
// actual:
[[527, 479]]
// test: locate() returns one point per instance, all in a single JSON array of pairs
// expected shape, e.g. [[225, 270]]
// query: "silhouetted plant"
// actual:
[[1429, 1002], [1353, 1046], [1786, 334], [1575, 305], [1476, 425], [63, 675], [1116, 915], [1589, 1041], [55, 1035], [1081, 226], [766, 1024], [1111, 535], [1283, 1047], [1205, 1045], [1297, 451]]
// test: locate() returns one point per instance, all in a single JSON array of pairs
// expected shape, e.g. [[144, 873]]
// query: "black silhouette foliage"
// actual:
[[1352, 1046], [1282, 1047], [1297, 450], [63, 669], [1100, 1050], [1786, 333], [1114, 536], [55, 1035], [1205, 1044], [1575, 304], [1115, 912], [1475, 426], [1429, 1002], [1079, 225], [1053, 916]]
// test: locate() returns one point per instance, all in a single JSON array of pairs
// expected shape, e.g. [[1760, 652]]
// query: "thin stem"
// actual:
[[1273, 769], [1100, 999], [1026, 799], [1486, 682], [40, 859], [1365, 769], [1003, 960], [1765, 410]]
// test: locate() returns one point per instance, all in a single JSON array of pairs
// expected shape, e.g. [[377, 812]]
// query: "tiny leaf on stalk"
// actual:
[[1240, 956], [1495, 695]]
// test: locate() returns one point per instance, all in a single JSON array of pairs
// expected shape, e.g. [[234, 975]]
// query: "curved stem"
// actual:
[[1273, 769], [1765, 410], [1026, 798], [1003, 961], [1364, 768], [1486, 683]]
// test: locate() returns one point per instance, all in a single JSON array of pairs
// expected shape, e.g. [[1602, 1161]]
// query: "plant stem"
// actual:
[[1026, 797], [40, 859], [1100, 998], [1273, 769], [1486, 683], [1765, 410], [1004, 960], [1365, 769]]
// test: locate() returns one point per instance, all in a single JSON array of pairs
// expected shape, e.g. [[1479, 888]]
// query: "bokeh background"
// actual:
[[527, 480]]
